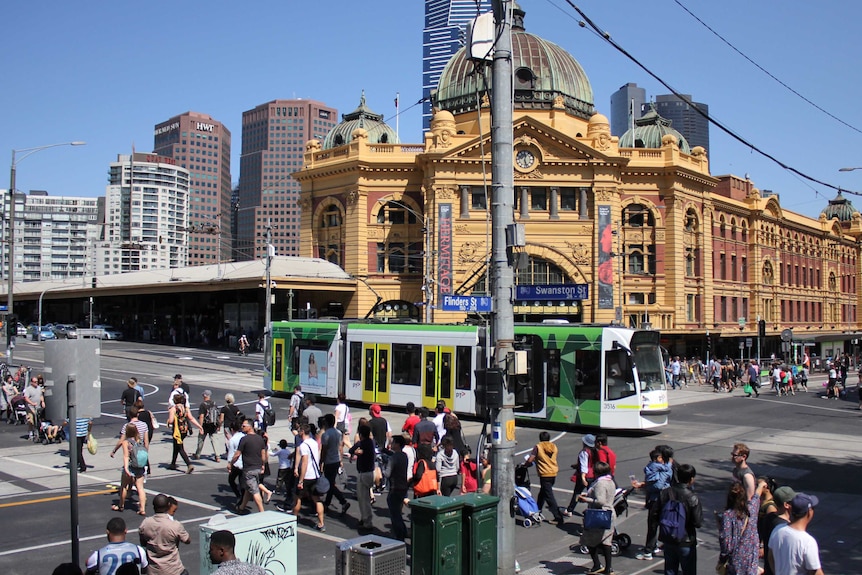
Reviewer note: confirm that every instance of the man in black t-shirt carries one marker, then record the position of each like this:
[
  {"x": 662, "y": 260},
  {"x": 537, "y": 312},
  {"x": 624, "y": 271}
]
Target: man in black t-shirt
[
  {"x": 252, "y": 449},
  {"x": 128, "y": 398},
  {"x": 209, "y": 422}
]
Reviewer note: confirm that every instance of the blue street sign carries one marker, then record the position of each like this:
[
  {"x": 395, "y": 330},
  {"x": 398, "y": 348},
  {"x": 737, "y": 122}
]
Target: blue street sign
[
  {"x": 466, "y": 303},
  {"x": 552, "y": 292},
  {"x": 4, "y": 308}
]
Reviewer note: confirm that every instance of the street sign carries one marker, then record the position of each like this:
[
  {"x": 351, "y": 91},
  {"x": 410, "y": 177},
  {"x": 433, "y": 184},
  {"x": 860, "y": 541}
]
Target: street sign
[
  {"x": 741, "y": 322},
  {"x": 748, "y": 342},
  {"x": 786, "y": 335},
  {"x": 552, "y": 292},
  {"x": 466, "y": 303}
]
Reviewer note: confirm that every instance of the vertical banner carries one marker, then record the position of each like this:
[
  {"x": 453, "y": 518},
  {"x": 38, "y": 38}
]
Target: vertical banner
[
  {"x": 606, "y": 261},
  {"x": 444, "y": 251}
]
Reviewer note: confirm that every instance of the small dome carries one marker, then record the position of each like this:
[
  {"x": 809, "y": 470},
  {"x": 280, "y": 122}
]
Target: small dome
[
  {"x": 545, "y": 77},
  {"x": 650, "y": 130},
  {"x": 840, "y": 208},
  {"x": 377, "y": 131}
]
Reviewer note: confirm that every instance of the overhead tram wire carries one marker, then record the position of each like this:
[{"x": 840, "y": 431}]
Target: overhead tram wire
[
  {"x": 607, "y": 37},
  {"x": 765, "y": 71}
]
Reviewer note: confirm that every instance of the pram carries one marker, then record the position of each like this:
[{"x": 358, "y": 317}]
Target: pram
[
  {"x": 620, "y": 541},
  {"x": 19, "y": 409},
  {"x": 523, "y": 504}
]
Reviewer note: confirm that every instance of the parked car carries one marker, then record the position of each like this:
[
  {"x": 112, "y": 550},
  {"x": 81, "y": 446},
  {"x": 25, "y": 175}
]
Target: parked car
[
  {"x": 22, "y": 329},
  {"x": 47, "y": 333},
  {"x": 66, "y": 331},
  {"x": 108, "y": 331}
]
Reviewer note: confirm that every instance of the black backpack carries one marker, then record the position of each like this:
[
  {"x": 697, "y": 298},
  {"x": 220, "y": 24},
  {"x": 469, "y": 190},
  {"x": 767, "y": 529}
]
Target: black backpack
[
  {"x": 268, "y": 414},
  {"x": 211, "y": 415}
]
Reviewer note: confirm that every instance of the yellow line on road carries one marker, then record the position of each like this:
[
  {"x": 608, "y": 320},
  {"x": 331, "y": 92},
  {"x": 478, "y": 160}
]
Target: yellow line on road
[{"x": 58, "y": 498}]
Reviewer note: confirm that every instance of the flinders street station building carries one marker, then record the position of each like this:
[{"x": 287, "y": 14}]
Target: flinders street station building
[{"x": 637, "y": 226}]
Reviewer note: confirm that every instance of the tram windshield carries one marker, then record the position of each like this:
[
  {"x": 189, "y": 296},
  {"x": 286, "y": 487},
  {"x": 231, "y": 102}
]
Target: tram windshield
[{"x": 647, "y": 357}]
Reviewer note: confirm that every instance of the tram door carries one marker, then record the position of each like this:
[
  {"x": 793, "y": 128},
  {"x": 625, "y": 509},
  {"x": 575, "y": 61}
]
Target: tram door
[
  {"x": 375, "y": 373},
  {"x": 439, "y": 376}
]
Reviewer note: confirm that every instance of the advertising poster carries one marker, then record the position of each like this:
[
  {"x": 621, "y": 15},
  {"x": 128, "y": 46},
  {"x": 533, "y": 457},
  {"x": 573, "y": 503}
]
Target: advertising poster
[
  {"x": 606, "y": 260},
  {"x": 312, "y": 370}
]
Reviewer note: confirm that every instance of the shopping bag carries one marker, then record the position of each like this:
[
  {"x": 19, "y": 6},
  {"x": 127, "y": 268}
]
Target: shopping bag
[
  {"x": 597, "y": 519},
  {"x": 92, "y": 444}
]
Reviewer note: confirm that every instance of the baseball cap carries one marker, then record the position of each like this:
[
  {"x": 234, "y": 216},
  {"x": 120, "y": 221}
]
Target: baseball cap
[
  {"x": 178, "y": 376},
  {"x": 589, "y": 440},
  {"x": 207, "y": 393},
  {"x": 802, "y": 503},
  {"x": 375, "y": 409},
  {"x": 783, "y": 495}
]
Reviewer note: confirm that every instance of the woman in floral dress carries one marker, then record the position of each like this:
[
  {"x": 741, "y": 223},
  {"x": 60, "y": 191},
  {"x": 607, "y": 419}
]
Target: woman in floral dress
[{"x": 737, "y": 531}]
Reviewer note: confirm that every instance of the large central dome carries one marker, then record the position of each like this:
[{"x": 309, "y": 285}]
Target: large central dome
[{"x": 545, "y": 76}]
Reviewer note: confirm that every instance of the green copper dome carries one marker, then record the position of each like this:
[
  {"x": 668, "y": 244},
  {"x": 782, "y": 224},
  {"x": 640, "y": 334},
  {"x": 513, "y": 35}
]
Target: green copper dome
[
  {"x": 649, "y": 131},
  {"x": 840, "y": 208},
  {"x": 378, "y": 131},
  {"x": 546, "y": 76}
]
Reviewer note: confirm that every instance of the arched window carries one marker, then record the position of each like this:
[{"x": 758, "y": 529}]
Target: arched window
[
  {"x": 636, "y": 262},
  {"x": 331, "y": 217},
  {"x": 638, "y": 215},
  {"x": 396, "y": 213}
]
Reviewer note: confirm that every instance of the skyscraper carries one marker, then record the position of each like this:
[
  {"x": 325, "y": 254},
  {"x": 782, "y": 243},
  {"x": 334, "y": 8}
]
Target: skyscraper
[
  {"x": 444, "y": 34},
  {"x": 201, "y": 144},
  {"x": 146, "y": 220},
  {"x": 688, "y": 121},
  {"x": 274, "y": 135},
  {"x": 622, "y": 107}
]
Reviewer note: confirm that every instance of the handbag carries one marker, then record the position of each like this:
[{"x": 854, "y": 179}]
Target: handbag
[
  {"x": 721, "y": 566},
  {"x": 92, "y": 444},
  {"x": 747, "y": 388},
  {"x": 598, "y": 519},
  {"x": 322, "y": 485}
]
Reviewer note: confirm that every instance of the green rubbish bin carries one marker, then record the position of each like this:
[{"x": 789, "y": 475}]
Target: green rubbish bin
[
  {"x": 480, "y": 526},
  {"x": 436, "y": 537}
]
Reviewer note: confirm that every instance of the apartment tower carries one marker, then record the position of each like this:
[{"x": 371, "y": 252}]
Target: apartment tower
[
  {"x": 202, "y": 145},
  {"x": 274, "y": 135}
]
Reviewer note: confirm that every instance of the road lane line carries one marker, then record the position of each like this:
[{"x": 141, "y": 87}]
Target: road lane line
[{"x": 57, "y": 498}]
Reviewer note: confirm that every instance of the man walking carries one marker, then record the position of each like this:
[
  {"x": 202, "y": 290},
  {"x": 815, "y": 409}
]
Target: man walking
[
  {"x": 252, "y": 449},
  {"x": 544, "y": 455},
  {"x": 307, "y": 473},
  {"x": 129, "y": 396},
  {"x": 35, "y": 400},
  {"x": 312, "y": 412},
  {"x": 330, "y": 454},
  {"x": 161, "y": 536},
  {"x": 297, "y": 405},
  {"x": 792, "y": 549},
  {"x": 680, "y": 555},
  {"x": 424, "y": 431},
  {"x": 222, "y": 545},
  {"x": 118, "y": 551},
  {"x": 396, "y": 472},
  {"x": 208, "y": 417},
  {"x": 363, "y": 450},
  {"x": 741, "y": 471}
]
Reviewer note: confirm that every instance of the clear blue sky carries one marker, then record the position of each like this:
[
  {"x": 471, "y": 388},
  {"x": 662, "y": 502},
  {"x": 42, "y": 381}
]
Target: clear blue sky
[{"x": 107, "y": 73}]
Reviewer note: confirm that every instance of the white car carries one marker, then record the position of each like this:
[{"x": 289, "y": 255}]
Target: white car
[{"x": 108, "y": 331}]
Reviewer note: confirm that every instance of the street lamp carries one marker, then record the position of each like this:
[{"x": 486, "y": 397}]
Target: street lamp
[
  {"x": 849, "y": 169},
  {"x": 427, "y": 279},
  {"x": 24, "y": 154}
]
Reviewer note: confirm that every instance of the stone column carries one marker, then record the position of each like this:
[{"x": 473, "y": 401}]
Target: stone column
[
  {"x": 555, "y": 201},
  {"x": 582, "y": 205},
  {"x": 465, "y": 202},
  {"x": 525, "y": 203}
]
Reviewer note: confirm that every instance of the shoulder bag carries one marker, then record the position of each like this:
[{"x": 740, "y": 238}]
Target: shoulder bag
[{"x": 322, "y": 486}]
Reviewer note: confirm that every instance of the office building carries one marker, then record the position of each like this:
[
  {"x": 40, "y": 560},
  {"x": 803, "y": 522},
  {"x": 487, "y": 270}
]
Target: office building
[
  {"x": 626, "y": 102},
  {"x": 686, "y": 119},
  {"x": 51, "y": 235},
  {"x": 273, "y": 142},
  {"x": 443, "y": 35},
  {"x": 202, "y": 145},
  {"x": 146, "y": 216}
]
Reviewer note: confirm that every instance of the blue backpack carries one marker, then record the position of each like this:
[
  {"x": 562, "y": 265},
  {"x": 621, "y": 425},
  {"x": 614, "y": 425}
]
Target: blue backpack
[
  {"x": 138, "y": 455},
  {"x": 671, "y": 526}
]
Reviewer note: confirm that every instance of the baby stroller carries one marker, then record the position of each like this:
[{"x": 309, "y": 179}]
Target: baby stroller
[
  {"x": 523, "y": 503},
  {"x": 620, "y": 541},
  {"x": 19, "y": 409}
]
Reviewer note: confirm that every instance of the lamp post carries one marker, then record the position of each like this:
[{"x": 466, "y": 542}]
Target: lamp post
[
  {"x": 849, "y": 169},
  {"x": 427, "y": 279},
  {"x": 10, "y": 295}
]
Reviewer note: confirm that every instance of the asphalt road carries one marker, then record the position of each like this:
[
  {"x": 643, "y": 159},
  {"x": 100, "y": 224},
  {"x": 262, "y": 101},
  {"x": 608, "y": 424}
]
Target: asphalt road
[{"x": 802, "y": 441}]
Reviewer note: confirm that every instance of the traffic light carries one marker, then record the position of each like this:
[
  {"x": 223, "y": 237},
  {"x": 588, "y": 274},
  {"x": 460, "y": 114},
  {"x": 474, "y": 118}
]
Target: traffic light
[
  {"x": 761, "y": 328},
  {"x": 708, "y": 344},
  {"x": 11, "y": 326}
]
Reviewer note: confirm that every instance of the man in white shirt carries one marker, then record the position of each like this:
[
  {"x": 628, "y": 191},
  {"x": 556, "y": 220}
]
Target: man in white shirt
[
  {"x": 259, "y": 408},
  {"x": 439, "y": 420},
  {"x": 177, "y": 390},
  {"x": 792, "y": 550},
  {"x": 307, "y": 474}
]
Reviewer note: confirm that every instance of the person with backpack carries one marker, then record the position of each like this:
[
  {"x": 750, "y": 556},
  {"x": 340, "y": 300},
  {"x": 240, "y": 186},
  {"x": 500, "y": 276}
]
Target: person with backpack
[
  {"x": 599, "y": 496},
  {"x": 135, "y": 459},
  {"x": 208, "y": 416},
  {"x": 680, "y": 515},
  {"x": 264, "y": 414},
  {"x": 297, "y": 405},
  {"x": 228, "y": 415},
  {"x": 179, "y": 421}
]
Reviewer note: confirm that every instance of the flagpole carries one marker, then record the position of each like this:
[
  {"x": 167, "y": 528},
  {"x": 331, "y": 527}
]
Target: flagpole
[{"x": 397, "y": 118}]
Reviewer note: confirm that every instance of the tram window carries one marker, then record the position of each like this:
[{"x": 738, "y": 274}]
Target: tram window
[
  {"x": 430, "y": 374},
  {"x": 355, "y": 360},
  {"x": 552, "y": 363},
  {"x": 463, "y": 365},
  {"x": 383, "y": 371},
  {"x": 587, "y": 374},
  {"x": 406, "y": 363},
  {"x": 530, "y": 388},
  {"x": 446, "y": 374},
  {"x": 619, "y": 380},
  {"x": 369, "y": 369}
]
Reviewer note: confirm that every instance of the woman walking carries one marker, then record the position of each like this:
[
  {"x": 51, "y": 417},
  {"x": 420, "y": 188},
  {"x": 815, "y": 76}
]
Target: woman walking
[
  {"x": 149, "y": 418},
  {"x": 600, "y": 495},
  {"x": 133, "y": 472},
  {"x": 737, "y": 531},
  {"x": 178, "y": 422}
]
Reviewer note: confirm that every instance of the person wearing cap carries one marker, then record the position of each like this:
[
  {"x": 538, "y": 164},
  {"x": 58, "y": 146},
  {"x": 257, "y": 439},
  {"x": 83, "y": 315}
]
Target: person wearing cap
[
  {"x": 791, "y": 548},
  {"x": 183, "y": 385},
  {"x": 583, "y": 476},
  {"x": 381, "y": 432},
  {"x": 781, "y": 497},
  {"x": 205, "y": 410},
  {"x": 176, "y": 390}
]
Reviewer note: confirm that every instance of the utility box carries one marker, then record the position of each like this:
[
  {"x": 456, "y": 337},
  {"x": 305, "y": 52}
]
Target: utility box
[
  {"x": 480, "y": 529},
  {"x": 265, "y": 539},
  {"x": 371, "y": 555},
  {"x": 437, "y": 531}
]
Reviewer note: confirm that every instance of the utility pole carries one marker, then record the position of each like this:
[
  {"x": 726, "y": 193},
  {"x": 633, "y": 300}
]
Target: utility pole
[
  {"x": 268, "y": 290},
  {"x": 502, "y": 321}
]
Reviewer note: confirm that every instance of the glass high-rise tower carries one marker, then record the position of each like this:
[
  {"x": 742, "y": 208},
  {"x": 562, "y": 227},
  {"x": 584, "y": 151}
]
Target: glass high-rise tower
[{"x": 444, "y": 34}]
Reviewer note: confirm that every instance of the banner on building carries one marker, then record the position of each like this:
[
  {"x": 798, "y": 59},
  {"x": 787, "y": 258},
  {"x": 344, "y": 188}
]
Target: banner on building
[
  {"x": 444, "y": 251},
  {"x": 605, "y": 271}
]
